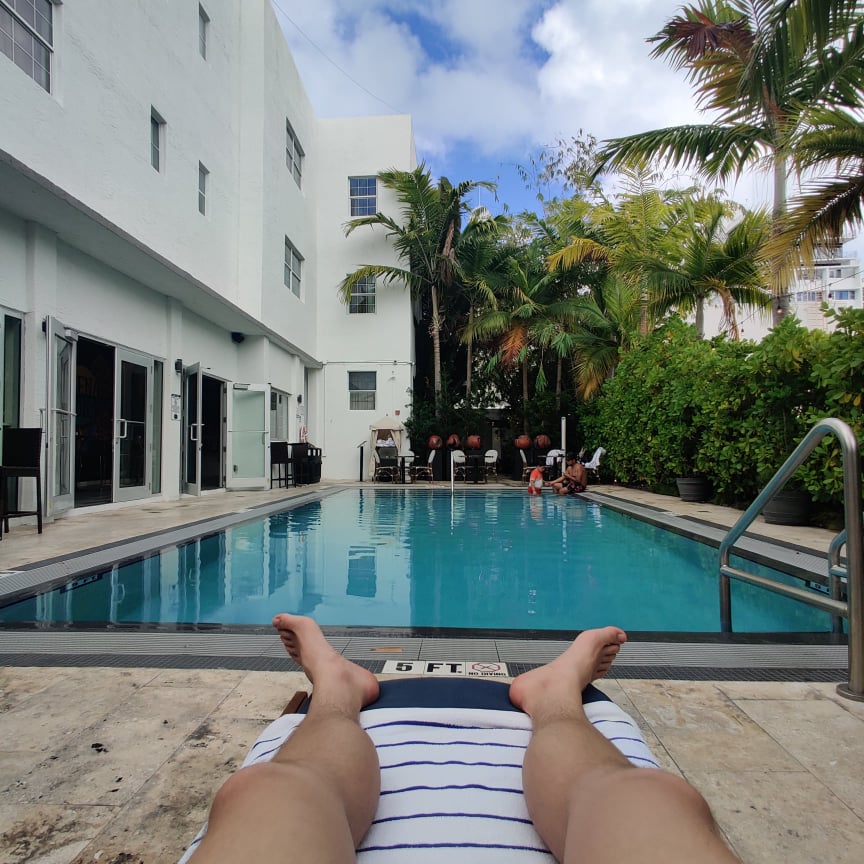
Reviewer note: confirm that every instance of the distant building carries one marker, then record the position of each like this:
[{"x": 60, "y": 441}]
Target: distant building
[
  {"x": 171, "y": 240},
  {"x": 833, "y": 279}
]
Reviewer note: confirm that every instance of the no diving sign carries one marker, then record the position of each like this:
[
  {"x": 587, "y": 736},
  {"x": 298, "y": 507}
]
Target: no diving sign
[{"x": 459, "y": 668}]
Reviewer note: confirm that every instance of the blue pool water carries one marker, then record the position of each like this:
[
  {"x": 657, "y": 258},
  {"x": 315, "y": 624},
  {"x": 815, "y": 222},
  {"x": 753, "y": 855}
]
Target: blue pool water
[{"x": 415, "y": 558}]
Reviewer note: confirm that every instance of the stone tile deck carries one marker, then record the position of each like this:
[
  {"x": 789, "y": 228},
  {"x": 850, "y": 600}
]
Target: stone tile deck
[{"x": 118, "y": 765}]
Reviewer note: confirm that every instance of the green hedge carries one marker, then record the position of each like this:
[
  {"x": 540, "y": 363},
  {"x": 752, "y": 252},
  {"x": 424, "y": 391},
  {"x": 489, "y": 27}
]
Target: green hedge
[{"x": 732, "y": 412}]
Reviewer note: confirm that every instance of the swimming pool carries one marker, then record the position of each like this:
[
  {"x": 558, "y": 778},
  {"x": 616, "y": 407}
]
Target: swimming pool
[{"x": 416, "y": 558}]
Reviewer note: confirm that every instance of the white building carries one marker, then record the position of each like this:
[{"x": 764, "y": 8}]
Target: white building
[
  {"x": 171, "y": 240},
  {"x": 833, "y": 279}
]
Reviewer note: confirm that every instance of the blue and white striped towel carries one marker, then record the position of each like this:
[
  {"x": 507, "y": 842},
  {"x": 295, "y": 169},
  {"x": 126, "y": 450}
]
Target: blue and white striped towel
[{"x": 451, "y": 779}]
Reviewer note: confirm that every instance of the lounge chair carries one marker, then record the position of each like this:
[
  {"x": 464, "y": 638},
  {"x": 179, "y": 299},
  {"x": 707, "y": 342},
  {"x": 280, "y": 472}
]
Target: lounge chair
[
  {"x": 593, "y": 465},
  {"x": 425, "y": 730}
]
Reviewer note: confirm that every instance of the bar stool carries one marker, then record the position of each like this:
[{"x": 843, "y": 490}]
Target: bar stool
[
  {"x": 22, "y": 456},
  {"x": 280, "y": 459}
]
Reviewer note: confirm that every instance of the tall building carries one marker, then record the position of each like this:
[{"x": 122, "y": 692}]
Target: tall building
[
  {"x": 171, "y": 241},
  {"x": 833, "y": 279}
]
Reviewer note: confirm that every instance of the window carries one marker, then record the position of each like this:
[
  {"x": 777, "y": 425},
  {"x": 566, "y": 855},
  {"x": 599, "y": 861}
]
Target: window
[
  {"x": 203, "y": 22},
  {"x": 361, "y": 391},
  {"x": 293, "y": 154},
  {"x": 203, "y": 173},
  {"x": 364, "y": 195},
  {"x": 157, "y": 139},
  {"x": 27, "y": 37},
  {"x": 293, "y": 267},
  {"x": 844, "y": 294},
  {"x": 363, "y": 296}
]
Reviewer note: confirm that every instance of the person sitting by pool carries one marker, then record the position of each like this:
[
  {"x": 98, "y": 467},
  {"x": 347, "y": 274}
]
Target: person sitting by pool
[
  {"x": 574, "y": 479},
  {"x": 316, "y": 799},
  {"x": 535, "y": 481}
]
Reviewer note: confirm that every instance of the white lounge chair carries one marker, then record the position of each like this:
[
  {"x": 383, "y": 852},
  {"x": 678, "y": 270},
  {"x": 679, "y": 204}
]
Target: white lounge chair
[{"x": 593, "y": 464}]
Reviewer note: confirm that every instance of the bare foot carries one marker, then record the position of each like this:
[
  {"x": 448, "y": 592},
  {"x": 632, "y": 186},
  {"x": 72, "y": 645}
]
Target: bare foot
[
  {"x": 557, "y": 687},
  {"x": 334, "y": 677}
]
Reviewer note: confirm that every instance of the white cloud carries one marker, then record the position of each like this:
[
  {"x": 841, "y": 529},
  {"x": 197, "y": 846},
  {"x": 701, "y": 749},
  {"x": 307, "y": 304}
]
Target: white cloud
[{"x": 502, "y": 78}]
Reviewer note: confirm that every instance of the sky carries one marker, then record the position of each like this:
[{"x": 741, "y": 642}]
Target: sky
[{"x": 490, "y": 83}]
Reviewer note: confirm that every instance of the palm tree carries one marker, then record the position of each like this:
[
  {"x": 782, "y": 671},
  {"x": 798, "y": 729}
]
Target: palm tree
[
  {"x": 483, "y": 264},
  {"x": 644, "y": 224},
  {"x": 761, "y": 65},
  {"x": 426, "y": 238},
  {"x": 830, "y": 206},
  {"x": 608, "y": 323},
  {"x": 520, "y": 317},
  {"x": 716, "y": 260}
]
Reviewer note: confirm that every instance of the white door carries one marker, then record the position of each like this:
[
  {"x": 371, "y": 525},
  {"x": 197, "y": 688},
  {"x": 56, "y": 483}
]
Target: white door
[
  {"x": 248, "y": 436},
  {"x": 192, "y": 430},
  {"x": 60, "y": 422},
  {"x": 133, "y": 420}
]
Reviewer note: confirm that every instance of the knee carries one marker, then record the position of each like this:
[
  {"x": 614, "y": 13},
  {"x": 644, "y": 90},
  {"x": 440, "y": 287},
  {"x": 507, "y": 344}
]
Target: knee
[
  {"x": 672, "y": 789},
  {"x": 246, "y": 784}
]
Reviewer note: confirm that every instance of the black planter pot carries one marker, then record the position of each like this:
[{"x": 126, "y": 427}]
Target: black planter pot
[
  {"x": 693, "y": 488},
  {"x": 787, "y": 507}
]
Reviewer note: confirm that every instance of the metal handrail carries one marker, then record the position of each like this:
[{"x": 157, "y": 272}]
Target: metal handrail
[{"x": 853, "y": 607}]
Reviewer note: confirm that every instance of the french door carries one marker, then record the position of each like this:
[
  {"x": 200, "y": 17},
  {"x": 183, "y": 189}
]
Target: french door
[
  {"x": 60, "y": 469},
  {"x": 248, "y": 436},
  {"x": 192, "y": 428},
  {"x": 133, "y": 422}
]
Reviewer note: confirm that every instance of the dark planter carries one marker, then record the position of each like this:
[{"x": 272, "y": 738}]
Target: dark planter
[
  {"x": 787, "y": 507},
  {"x": 693, "y": 488}
]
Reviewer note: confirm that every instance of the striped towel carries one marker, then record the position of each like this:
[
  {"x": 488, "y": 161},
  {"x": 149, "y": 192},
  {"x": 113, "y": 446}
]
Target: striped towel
[{"x": 451, "y": 779}]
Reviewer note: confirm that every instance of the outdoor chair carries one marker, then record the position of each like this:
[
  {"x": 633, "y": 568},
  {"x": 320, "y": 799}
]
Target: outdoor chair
[
  {"x": 554, "y": 461},
  {"x": 526, "y": 468},
  {"x": 490, "y": 463},
  {"x": 463, "y": 720},
  {"x": 424, "y": 472},
  {"x": 386, "y": 465},
  {"x": 22, "y": 455},
  {"x": 459, "y": 464},
  {"x": 593, "y": 465}
]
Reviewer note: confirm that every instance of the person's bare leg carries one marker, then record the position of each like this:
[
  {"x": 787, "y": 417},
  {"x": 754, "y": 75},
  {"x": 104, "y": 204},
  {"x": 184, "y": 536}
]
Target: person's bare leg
[
  {"x": 316, "y": 799},
  {"x": 587, "y": 801}
]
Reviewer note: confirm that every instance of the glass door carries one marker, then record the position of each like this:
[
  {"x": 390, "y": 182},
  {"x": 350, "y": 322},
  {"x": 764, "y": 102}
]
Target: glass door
[
  {"x": 60, "y": 470},
  {"x": 133, "y": 407},
  {"x": 192, "y": 430},
  {"x": 248, "y": 436}
]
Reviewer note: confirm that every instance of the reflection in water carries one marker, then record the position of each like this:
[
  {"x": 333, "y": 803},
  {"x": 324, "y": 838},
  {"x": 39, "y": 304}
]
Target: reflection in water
[{"x": 399, "y": 558}]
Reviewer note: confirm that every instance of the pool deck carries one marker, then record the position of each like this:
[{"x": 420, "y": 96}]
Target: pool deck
[{"x": 117, "y": 763}]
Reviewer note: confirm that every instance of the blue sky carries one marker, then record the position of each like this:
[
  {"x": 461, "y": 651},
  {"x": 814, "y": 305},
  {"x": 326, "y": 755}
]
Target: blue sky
[{"x": 490, "y": 82}]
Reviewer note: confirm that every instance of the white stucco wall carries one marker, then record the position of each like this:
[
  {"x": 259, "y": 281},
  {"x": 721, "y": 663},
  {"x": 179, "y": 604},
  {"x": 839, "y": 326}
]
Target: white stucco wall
[
  {"x": 176, "y": 283},
  {"x": 382, "y": 341}
]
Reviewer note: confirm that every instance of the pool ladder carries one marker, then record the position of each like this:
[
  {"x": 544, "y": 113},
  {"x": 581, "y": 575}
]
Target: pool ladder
[{"x": 852, "y": 608}]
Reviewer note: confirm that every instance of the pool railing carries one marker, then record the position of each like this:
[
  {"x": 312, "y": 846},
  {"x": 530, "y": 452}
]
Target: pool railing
[{"x": 853, "y": 607}]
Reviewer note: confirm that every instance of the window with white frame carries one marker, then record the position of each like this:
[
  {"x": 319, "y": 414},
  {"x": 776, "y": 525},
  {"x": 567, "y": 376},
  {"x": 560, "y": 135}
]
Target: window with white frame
[
  {"x": 157, "y": 139},
  {"x": 293, "y": 267},
  {"x": 361, "y": 391},
  {"x": 27, "y": 37},
  {"x": 363, "y": 192},
  {"x": 293, "y": 154},
  {"x": 203, "y": 174},
  {"x": 203, "y": 26},
  {"x": 362, "y": 296}
]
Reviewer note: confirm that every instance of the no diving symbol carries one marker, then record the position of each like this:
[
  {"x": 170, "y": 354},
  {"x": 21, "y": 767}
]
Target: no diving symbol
[{"x": 498, "y": 670}]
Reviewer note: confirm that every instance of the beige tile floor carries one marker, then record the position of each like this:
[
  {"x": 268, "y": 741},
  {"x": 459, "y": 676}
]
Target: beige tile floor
[{"x": 118, "y": 765}]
